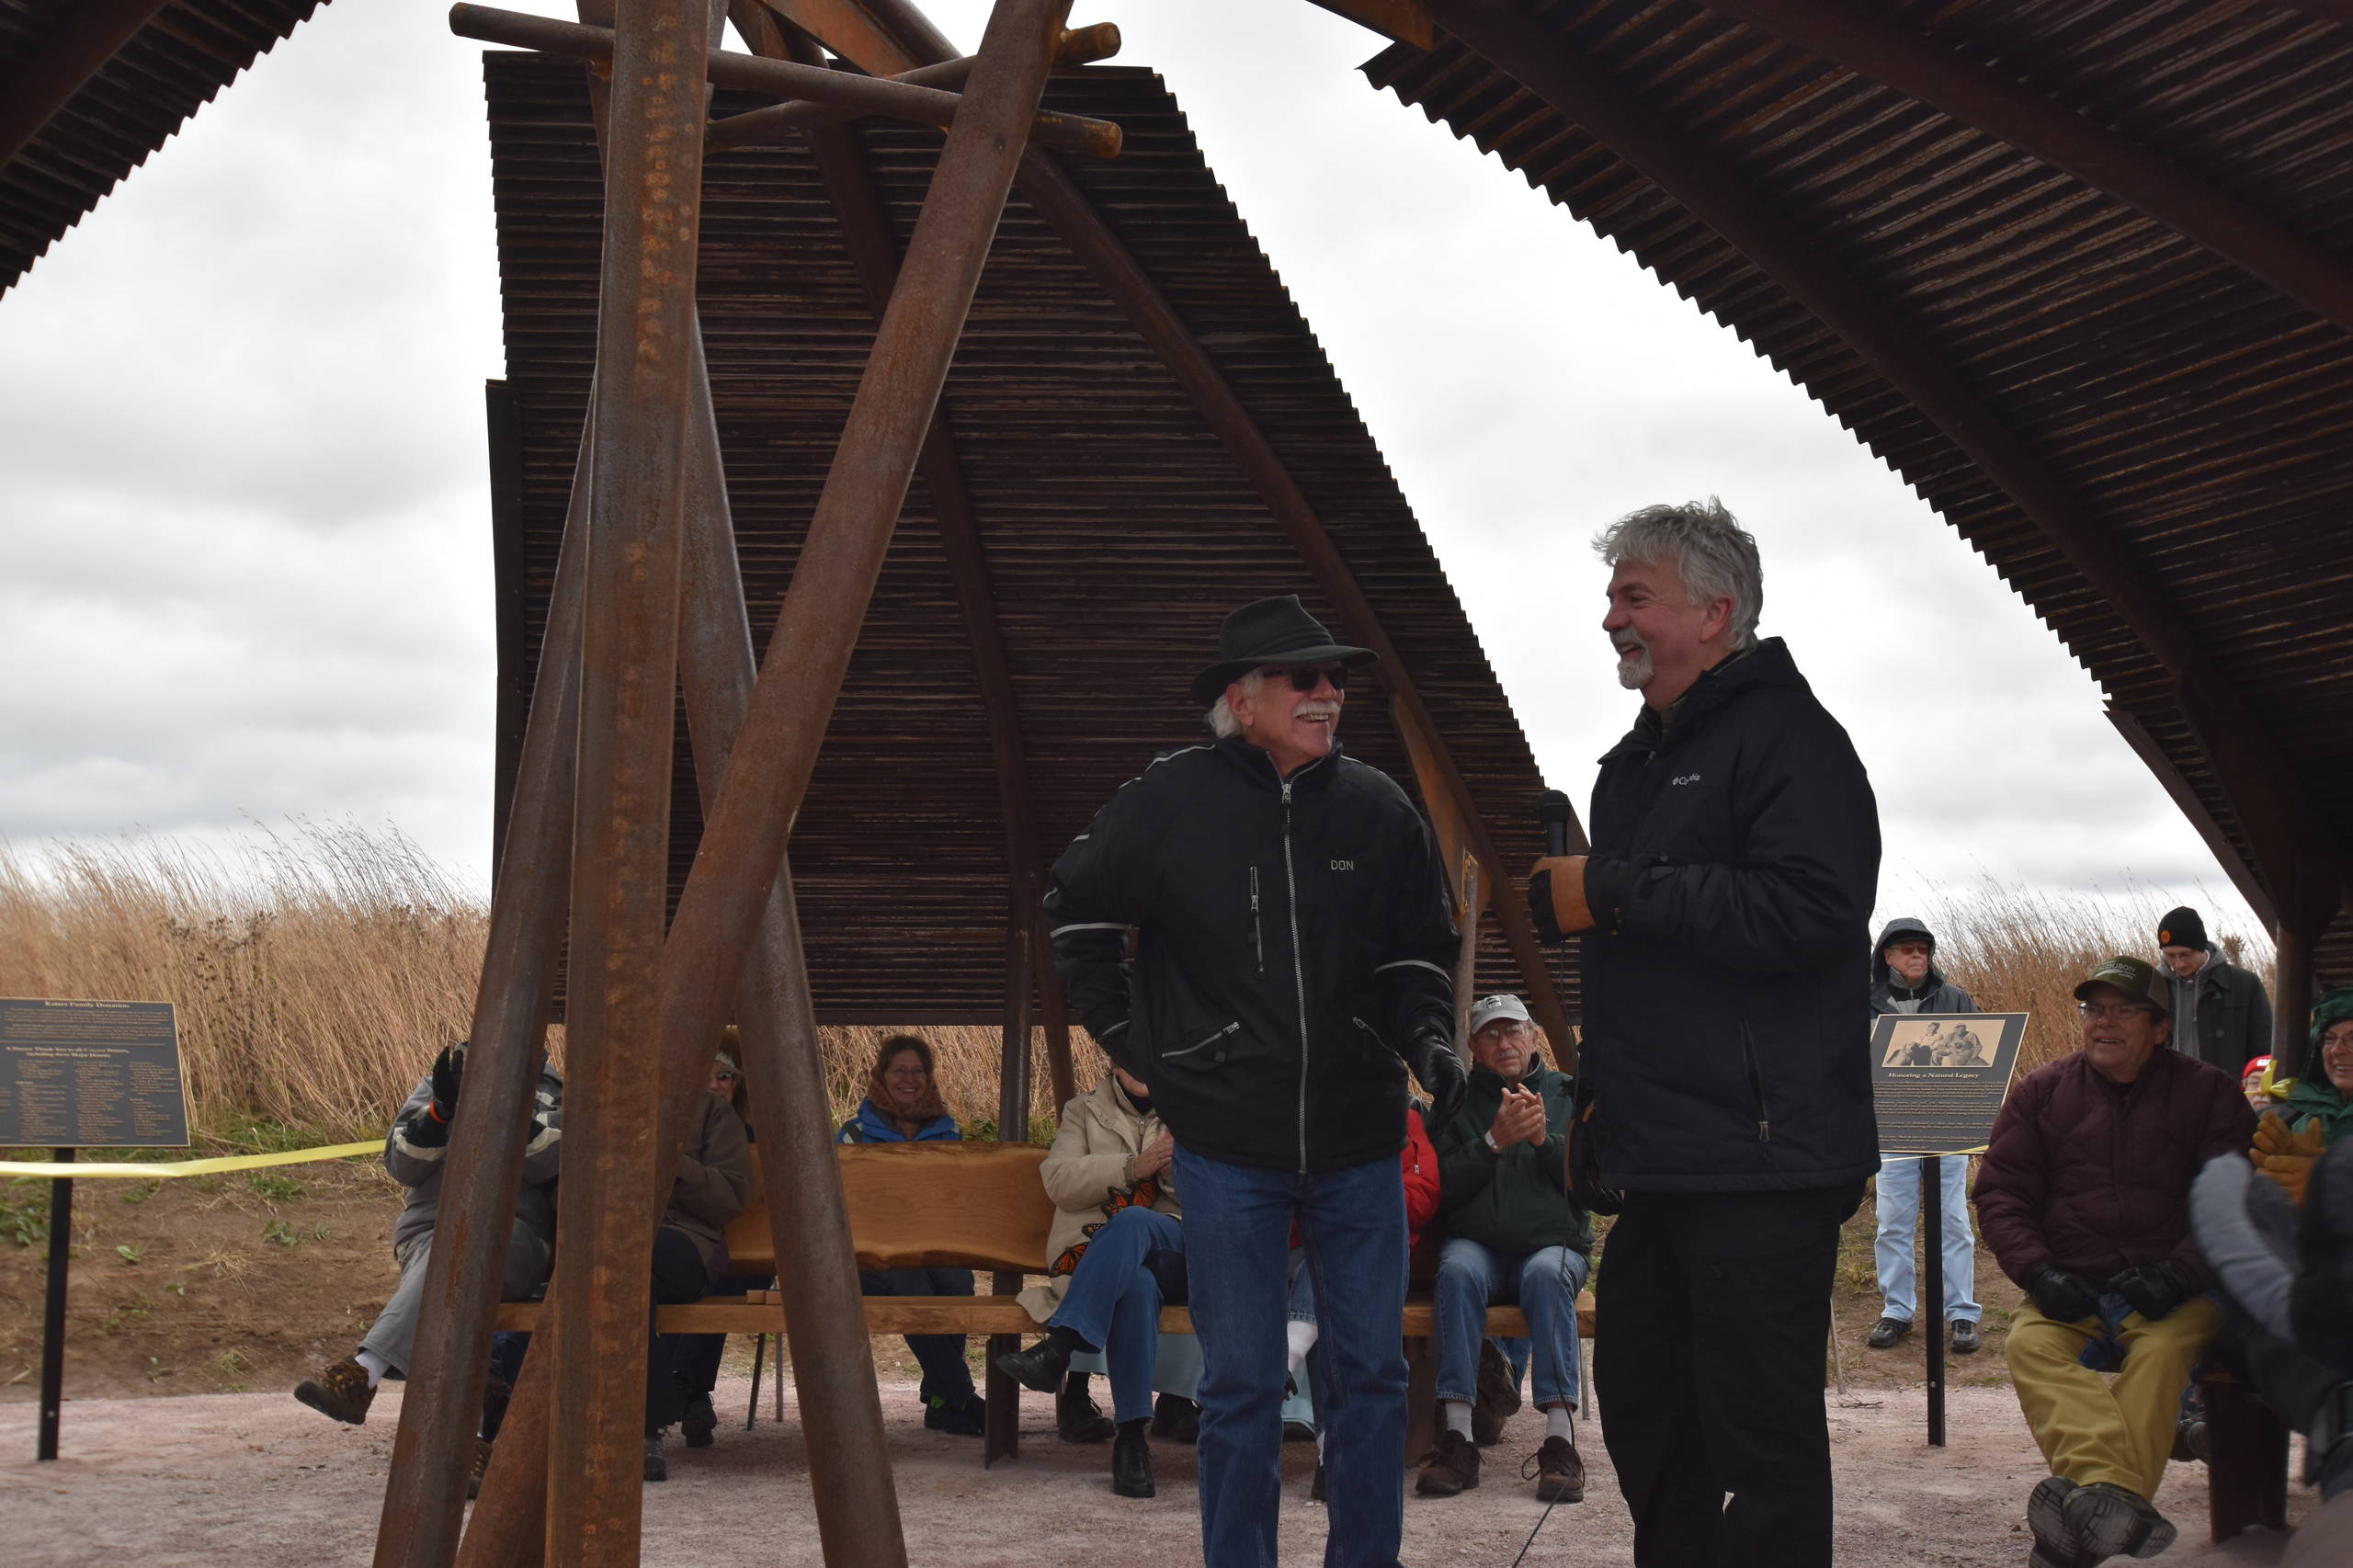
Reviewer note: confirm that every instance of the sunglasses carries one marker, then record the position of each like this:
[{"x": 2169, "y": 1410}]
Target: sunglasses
[{"x": 1307, "y": 677}]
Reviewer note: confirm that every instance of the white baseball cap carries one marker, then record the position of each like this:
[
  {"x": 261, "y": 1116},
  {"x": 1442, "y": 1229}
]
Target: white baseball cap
[{"x": 1487, "y": 1009}]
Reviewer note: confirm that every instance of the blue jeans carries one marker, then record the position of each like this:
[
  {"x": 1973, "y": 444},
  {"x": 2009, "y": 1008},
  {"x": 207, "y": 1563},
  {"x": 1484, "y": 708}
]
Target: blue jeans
[
  {"x": 1899, "y": 1221},
  {"x": 1239, "y": 1218},
  {"x": 1131, "y": 1266},
  {"x": 941, "y": 1356},
  {"x": 1472, "y": 1276}
]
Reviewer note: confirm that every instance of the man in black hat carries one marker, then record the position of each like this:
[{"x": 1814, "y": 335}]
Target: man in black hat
[
  {"x": 1295, "y": 955},
  {"x": 2221, "y": 1015}
]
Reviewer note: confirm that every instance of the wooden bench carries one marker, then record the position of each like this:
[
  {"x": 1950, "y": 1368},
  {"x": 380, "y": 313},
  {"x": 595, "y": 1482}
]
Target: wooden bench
[{"x": 976, "y": 1206}]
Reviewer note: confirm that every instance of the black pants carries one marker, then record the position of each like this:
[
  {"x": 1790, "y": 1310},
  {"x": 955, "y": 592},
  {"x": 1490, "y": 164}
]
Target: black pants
[
  {"x": 679, "y": 1277},
  {"x": 1713, "y": 1318}
]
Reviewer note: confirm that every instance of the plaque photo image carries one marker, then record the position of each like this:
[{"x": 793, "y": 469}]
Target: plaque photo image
[{"x": 1939, "y": 1079}]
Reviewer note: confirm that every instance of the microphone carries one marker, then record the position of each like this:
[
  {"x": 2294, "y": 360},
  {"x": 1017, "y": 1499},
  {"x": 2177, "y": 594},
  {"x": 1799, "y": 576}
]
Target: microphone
[{"x": 1552, "y": 811}]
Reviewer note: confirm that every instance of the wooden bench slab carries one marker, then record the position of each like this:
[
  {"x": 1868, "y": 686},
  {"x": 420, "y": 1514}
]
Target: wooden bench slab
[{"x": 977, "y": 1316}]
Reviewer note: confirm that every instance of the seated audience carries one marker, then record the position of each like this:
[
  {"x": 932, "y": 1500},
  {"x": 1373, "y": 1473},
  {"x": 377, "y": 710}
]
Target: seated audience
[
  {"x": 2321, "y": 1100},
  {"x": 414, "y": 1154},
  {"x": 2084, "y": 1199},
  {"x": 2256, "y": 1084},
  {"x": 1115, "y": 1255},
  {"x": 694, "y": 1357},
  {"x": 903, "y": 1106},
  {"x": 713, "y": 1183},
  {"x": 1511, "y": 1237}
]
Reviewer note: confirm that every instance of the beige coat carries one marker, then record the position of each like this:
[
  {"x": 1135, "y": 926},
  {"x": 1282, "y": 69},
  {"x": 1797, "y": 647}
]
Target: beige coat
[{"x": 1086, "y": 1174}]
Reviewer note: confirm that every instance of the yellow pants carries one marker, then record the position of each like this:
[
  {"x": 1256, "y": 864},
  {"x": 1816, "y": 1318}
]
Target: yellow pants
[{"x": 2089, "y": 1430}]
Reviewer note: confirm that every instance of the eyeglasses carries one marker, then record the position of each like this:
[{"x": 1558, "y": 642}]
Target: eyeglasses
[
  {"x": 2118, "y": 1010},
  {"x": 1306, "y": 678},
  {"x": 723, "y": 1076}
]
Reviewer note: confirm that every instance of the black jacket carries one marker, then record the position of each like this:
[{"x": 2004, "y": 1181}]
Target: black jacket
[
  {"x": 1515, "y": 1201},
  {"x": 1735, "y": 859},
  {"x": 1296, "y": 951},
  {"x": 2234, "y": 1014}
]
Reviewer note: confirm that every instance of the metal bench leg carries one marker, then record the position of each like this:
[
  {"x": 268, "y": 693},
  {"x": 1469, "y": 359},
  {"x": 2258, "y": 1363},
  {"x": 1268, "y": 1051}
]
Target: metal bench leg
[
  {"x": 759, "y": 1355},
  {"x": 2247, "y": 1481}
]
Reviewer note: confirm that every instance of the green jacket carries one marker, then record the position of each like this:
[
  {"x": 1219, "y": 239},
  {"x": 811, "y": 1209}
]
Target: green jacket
[
  {"x": 1516, "y": 1201},
  {"x": 2314, "y": 1097}
]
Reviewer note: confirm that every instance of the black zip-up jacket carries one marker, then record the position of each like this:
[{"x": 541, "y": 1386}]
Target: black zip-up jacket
[
  {"x": 1295, "y": 951},
  {"x": 1735, "y": 859}
]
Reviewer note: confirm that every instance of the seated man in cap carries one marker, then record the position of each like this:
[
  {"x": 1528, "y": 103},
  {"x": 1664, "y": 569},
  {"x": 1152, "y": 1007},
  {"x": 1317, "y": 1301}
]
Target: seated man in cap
[
  {"x": 2083, "y": 1198},
  {"x": 1511, "y": 1235}
]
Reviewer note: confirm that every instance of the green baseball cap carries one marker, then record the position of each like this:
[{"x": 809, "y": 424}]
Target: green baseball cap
[{"x": 2136, "y": 978}]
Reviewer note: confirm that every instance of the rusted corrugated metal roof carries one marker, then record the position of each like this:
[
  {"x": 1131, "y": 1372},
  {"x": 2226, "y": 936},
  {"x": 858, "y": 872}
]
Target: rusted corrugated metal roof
[
  {"x": 127, "y": 108},
  {"x": 1118, "y": 529},
  {"x": 2202, "y": 419}
]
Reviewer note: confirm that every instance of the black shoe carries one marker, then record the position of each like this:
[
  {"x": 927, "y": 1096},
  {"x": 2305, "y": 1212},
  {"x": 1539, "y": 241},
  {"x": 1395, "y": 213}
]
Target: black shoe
[
  {"x": 1887, "y": 1331},
  {"x": 1041, "y": 1367},
  {"x": 1132, "y": 1462},
  {"x": 1297, "y": 1432},
  {"x": 966, "y": 1415},
  {"x": 2046, "y": 1510},
  {"x": 1177, "y": 1418},
  {"x": 2108, "y": 1521},
  {"x": 1315, "y": 1487},
  {"x": 1077, "y": 1418},
  {"x": 1965, "y": 1341},
  {"x": 699, "y": 1421},
  {"x": 657, "y": 1467}
]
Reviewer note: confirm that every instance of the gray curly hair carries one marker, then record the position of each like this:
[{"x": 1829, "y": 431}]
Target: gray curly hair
[
  {"x": 1713, "y": 554},
  {"x": 1220, "y": 719}
]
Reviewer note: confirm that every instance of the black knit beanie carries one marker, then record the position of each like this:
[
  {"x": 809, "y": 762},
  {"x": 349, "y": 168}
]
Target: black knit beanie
[{"x": 2182, "y": 929}]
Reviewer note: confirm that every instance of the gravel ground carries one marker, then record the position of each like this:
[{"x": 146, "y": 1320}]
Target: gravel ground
[{"x": 259, "y": 1481}]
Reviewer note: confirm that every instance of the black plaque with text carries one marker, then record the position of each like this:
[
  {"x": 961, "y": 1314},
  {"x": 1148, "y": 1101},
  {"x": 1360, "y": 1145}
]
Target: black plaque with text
[
  {"x": 90, "y": 1074},
  {"x": 1938, "y": 1079}
]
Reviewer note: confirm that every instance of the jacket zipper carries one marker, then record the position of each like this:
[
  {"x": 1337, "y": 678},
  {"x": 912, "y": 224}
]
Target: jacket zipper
[
  {"x": 1297, "y": 975},
  {"x": 1257, "y": 937},
  {"x": 1200, "y": 1044},
  {"x": 1757, "y": 1087}
]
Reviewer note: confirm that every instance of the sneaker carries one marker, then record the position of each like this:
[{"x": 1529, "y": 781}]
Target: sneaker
[
  {"x": 1454, "y": 1470},
  {"x": 1077, "y": 1418},
  {"x": 340, "y": 1391},
  {"x": 481, "y": 1468},
  {"x": 1965, "y": 1338},
  {"x": 657, "y": 1467},
  {"x": 1887, "y": 1333},
  {"x": 2108, "y": 1521},
  {"x": 1558, "y": 1472},
  {"x": 699, "y": 1423},
  {"x": 2046, "y": 1510},
  {"x": 964, "y": 1417},
  {"x": 1177, "y": 1418},
  {"x": 1496, "y": 1398}
]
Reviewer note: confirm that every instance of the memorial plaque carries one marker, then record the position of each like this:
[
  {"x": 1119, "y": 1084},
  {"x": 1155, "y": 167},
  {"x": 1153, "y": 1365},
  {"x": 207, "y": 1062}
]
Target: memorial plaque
[
  {"x": 91, "y": 1075},
  {"x": 1938, "y": 1079}
]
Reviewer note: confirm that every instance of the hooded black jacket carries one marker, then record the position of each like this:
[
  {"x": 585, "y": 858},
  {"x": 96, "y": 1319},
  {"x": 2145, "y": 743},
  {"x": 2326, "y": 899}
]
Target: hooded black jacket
[
  {"x": 1935, "y": 993},
  {"x": 1296, "y": 951},
  {"x": 1735, "y": 861}
]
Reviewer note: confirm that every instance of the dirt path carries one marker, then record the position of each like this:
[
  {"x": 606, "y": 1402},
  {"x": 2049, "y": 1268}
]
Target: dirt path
[{"x": 256, "y": 1480}]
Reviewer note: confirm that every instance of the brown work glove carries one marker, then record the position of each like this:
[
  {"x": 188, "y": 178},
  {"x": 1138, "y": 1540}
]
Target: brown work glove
[
  {"x": 2286, "y": 1157},
  {"x": 1556, "y": 897}
]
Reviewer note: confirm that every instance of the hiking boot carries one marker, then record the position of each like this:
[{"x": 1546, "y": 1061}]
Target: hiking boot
[
  {"x": 699, "y": 1423},
  {"x": 1496, "y": 1398},
  {"x": 1559, "y": 1475},
  {"x": 481, "y": 1468},
  {"x": 1132, "y": 1462},
  {"x": 1965, "y": 1338},
  {"x": 1454, "y": 1468},
  {"x": 966, "y": 1415},
  {"x": 1077, "y": 1418},
  {"x": 340, "y": 1389},
  {"x": 1887, "y": 1333},
  {"x": 657, "y": 1467},
  {"x": 2108, "y": 1521},
  {"x": 1041, "y": 1368},
  {"x": 2046, "y": 1509},
  {"x": 1177, "y": 1418}
]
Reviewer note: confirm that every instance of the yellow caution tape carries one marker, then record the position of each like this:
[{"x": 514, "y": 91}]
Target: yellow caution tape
[{"x": 141, "y": 1170}]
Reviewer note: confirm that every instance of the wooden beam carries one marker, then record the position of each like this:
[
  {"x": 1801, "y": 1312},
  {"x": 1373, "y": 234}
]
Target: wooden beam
[
  {"x": 1055, "y": 197},
  {"x": 2278, "y": 816},
  {"x": 1865, "y": 40},
  {"x": 93, "y": 34}
]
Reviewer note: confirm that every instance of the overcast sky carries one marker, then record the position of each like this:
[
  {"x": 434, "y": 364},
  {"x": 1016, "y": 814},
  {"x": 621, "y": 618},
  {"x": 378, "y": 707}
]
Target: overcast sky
[{"x": 244, "y": 565}]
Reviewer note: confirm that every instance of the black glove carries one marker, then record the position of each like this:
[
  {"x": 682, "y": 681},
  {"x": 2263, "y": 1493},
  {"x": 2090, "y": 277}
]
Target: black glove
[
  {"x": 1440, "y": 1071},
  {"x": 2153, "y": 1288},
  {"x": 1539, "y": 908},
  {"x": 2062, "y": 1293},
  {"x": 448, "y": 1070}
]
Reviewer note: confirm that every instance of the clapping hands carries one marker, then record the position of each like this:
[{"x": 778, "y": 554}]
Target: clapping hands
[{"x": 1518, "y": 1119}]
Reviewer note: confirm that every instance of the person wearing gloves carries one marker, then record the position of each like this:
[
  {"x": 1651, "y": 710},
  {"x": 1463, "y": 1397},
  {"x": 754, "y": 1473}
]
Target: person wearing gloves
[
  {"x": 1512, "y": 1234},
  {"x": 1904, "y": 979},
  {"x": 713, "y": 1183},
  {"x": 1294, "y": 957},
  {"x": 1726, "y": 1091},
  {"x": 2322, "y": 1101},
  {"x": 2084, "y": 1195},
  {"x": 2220, "y": 1013},
  {"x": 415, "y": 1150},
  {"x": 1116, "y": 1254}
]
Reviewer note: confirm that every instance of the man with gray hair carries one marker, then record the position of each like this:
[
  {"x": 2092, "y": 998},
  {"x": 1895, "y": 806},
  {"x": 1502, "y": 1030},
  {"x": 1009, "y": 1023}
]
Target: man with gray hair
[{"x": 1726, "y": 1066}]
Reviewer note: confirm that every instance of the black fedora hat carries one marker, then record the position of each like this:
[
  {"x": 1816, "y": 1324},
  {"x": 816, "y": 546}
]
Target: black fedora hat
[{"x": 1270, "y": 632}]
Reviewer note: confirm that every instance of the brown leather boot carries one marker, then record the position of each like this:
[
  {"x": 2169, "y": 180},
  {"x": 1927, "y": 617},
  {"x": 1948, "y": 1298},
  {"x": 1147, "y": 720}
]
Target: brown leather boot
[
  {"x": 340, "y": 1389},
  {"x": 1454, "y": 1470},
  {"x": 1560, "y": 1473}
]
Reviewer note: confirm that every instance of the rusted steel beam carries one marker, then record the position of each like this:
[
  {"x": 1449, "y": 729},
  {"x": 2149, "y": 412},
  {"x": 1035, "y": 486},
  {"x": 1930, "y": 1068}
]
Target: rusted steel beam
[
  {"x": 91, "y": 35},
  {"x": 780, "y": 122},
  {"x": 844, "y": 90},
  {"x": 2193, "y": 808},
  {"x": 425, "y": 1494},
  {"x": 1865, "y": 40},
  {"x": 620, "y": 856},
  {"x": 1407, "y": 21},
  {"x": 891, "y": 34},
  {"x": 2277, "y": 813}
]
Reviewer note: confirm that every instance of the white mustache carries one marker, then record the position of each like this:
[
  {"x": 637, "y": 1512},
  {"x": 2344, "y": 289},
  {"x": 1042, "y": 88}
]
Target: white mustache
[{"x": 1318, "y": 710}]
